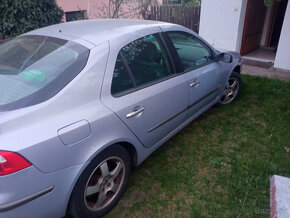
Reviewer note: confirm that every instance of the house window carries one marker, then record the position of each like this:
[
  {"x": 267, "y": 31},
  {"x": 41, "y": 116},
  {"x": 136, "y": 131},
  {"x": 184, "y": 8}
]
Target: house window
[{"x": 75, "y": 15}]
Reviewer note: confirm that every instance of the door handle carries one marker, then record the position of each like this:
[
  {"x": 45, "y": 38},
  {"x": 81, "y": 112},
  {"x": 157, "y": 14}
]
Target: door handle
[
  {"x": 134, "y": 113},
  {"x": 194, "y": 84}
]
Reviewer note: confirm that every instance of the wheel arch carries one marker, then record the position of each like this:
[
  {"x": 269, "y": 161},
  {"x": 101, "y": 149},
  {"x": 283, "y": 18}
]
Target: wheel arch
[
  {"x": 129, "y": 147},
  {"x": 131, "y": 150},
  {"x": 237, "y": 69}
]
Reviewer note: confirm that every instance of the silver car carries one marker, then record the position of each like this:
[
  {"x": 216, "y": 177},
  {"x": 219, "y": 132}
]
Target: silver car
[{"x": 81, "y": 103}]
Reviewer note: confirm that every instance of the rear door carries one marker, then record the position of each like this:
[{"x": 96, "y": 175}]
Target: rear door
[
  {"x": 144, "y": 91},
  {"x": 203, "y": 74}
]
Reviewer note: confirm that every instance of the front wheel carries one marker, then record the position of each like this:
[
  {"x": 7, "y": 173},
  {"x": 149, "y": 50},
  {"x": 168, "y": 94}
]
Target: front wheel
[
  {"x": 101, "y": 184},
  {"x": 232, "y": 89}
]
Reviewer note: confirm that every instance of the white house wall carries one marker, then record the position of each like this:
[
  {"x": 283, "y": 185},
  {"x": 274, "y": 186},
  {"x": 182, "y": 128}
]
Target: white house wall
[
  {"x": 282, "y": 60},
  {"x": 221, "y": 23}
]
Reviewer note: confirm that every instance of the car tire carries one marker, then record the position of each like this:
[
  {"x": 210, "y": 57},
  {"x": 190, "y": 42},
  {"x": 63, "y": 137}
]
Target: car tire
[
  {"x": 232, "y": 89},
  {"x": 101, "y": 185}
]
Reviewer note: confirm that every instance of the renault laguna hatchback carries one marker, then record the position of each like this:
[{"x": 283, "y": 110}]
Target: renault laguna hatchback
[{"x": 81, "y": 103}]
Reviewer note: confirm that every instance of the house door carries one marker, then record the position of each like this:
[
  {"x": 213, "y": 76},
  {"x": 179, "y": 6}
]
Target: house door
[
  {"x": 253, "y": 26},
  {"x": 276, "y": 22}
]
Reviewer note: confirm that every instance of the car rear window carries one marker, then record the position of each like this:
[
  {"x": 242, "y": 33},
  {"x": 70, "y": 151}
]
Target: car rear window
[{"x": 34, "y": 68}]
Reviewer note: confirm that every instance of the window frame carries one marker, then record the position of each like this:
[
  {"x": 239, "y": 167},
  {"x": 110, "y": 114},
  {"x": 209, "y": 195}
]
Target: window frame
[
  {"x": 178, "y": 60},
  {"x": 69, "y": 13},
  {"x": 136, "y": 88}
]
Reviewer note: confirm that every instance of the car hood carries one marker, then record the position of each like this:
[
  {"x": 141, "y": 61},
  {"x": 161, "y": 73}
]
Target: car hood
[{"x": 236, "y": 55}]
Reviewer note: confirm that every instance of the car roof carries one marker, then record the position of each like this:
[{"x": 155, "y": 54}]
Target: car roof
[{"x": 99, "y": 30}]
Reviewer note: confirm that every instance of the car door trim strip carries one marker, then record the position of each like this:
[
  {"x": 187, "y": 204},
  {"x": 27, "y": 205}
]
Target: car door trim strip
[
  {"x": 165, "y": 121},
  {"x": 183, "y": 110}
]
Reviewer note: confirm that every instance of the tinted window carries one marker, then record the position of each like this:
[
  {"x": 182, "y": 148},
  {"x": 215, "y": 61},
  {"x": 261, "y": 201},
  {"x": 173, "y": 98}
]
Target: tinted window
[
  {"x": 191, "y": 51},
  {"x": 121, "y": 78},
  {"x": 34, "y": 68},
  {"x": 147, "y": 60}
]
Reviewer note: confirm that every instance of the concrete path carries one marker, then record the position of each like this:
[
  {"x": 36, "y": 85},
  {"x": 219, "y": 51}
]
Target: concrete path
[
  {"x": 270, "y": 73},
  {"x": 280, "y": 197}
]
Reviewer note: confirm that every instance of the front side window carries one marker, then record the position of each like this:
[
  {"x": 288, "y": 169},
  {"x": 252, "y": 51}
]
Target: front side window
[
  {"x": 191, "y": 51},
  {"x": 34, "y": 68},
  {"x": 147, "y": 62}
]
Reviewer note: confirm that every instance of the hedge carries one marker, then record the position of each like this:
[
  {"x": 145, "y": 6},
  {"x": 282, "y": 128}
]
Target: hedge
[{"x": 20, "y": 16}]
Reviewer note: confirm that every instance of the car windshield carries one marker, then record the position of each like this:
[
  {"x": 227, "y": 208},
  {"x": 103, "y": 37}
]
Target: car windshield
[{"x": 30, "y": 65}]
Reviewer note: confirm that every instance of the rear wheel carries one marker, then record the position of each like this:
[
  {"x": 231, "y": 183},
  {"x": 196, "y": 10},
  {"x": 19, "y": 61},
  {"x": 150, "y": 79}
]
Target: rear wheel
[
  {"x": 102, "y": 183},
  {"x": 232, "y": 89}
]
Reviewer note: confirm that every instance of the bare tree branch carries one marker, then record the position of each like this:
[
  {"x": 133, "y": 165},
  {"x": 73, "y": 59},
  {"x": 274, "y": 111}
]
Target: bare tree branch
[{"x": 125, "y": 8}]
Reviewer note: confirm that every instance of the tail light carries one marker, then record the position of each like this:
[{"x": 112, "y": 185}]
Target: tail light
[{"x": 11, "y": 162}]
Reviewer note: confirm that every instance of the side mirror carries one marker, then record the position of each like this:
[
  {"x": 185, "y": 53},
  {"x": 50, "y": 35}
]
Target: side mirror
[{"x": 224, "y": 57}]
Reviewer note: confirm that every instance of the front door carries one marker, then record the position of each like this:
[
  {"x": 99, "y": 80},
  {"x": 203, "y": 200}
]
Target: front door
[
  {"x": 146, "y": 93},
  {"x": 204, "y": 79},
  {"x": 204, "y": 86}
]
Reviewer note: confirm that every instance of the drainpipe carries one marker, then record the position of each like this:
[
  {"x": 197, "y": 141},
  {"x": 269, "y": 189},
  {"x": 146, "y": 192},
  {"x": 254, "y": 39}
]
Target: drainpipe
[{"x": 89, "y": 11}]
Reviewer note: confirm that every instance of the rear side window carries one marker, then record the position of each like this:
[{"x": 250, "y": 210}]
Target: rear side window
[
  {"x": 145, "y": 61},
  {"x": 121, "y": 78},
  {"x": 191, "y": 51},
  {"x": 34, "y": 68}
]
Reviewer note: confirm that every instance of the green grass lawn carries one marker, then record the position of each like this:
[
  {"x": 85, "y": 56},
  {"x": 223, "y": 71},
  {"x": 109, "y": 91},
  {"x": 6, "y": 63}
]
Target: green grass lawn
[{"x": 220, "y": 164}]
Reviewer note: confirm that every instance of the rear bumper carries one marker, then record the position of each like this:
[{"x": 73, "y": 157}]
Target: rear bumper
[
  {"x": 20, "y": 202},
  {"x": 32, "y": 194}
]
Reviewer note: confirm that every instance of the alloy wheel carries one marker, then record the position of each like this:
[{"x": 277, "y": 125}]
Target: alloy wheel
[
  {"x": 231, "y": 91},
  {"x": 104, "y": 183}
]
